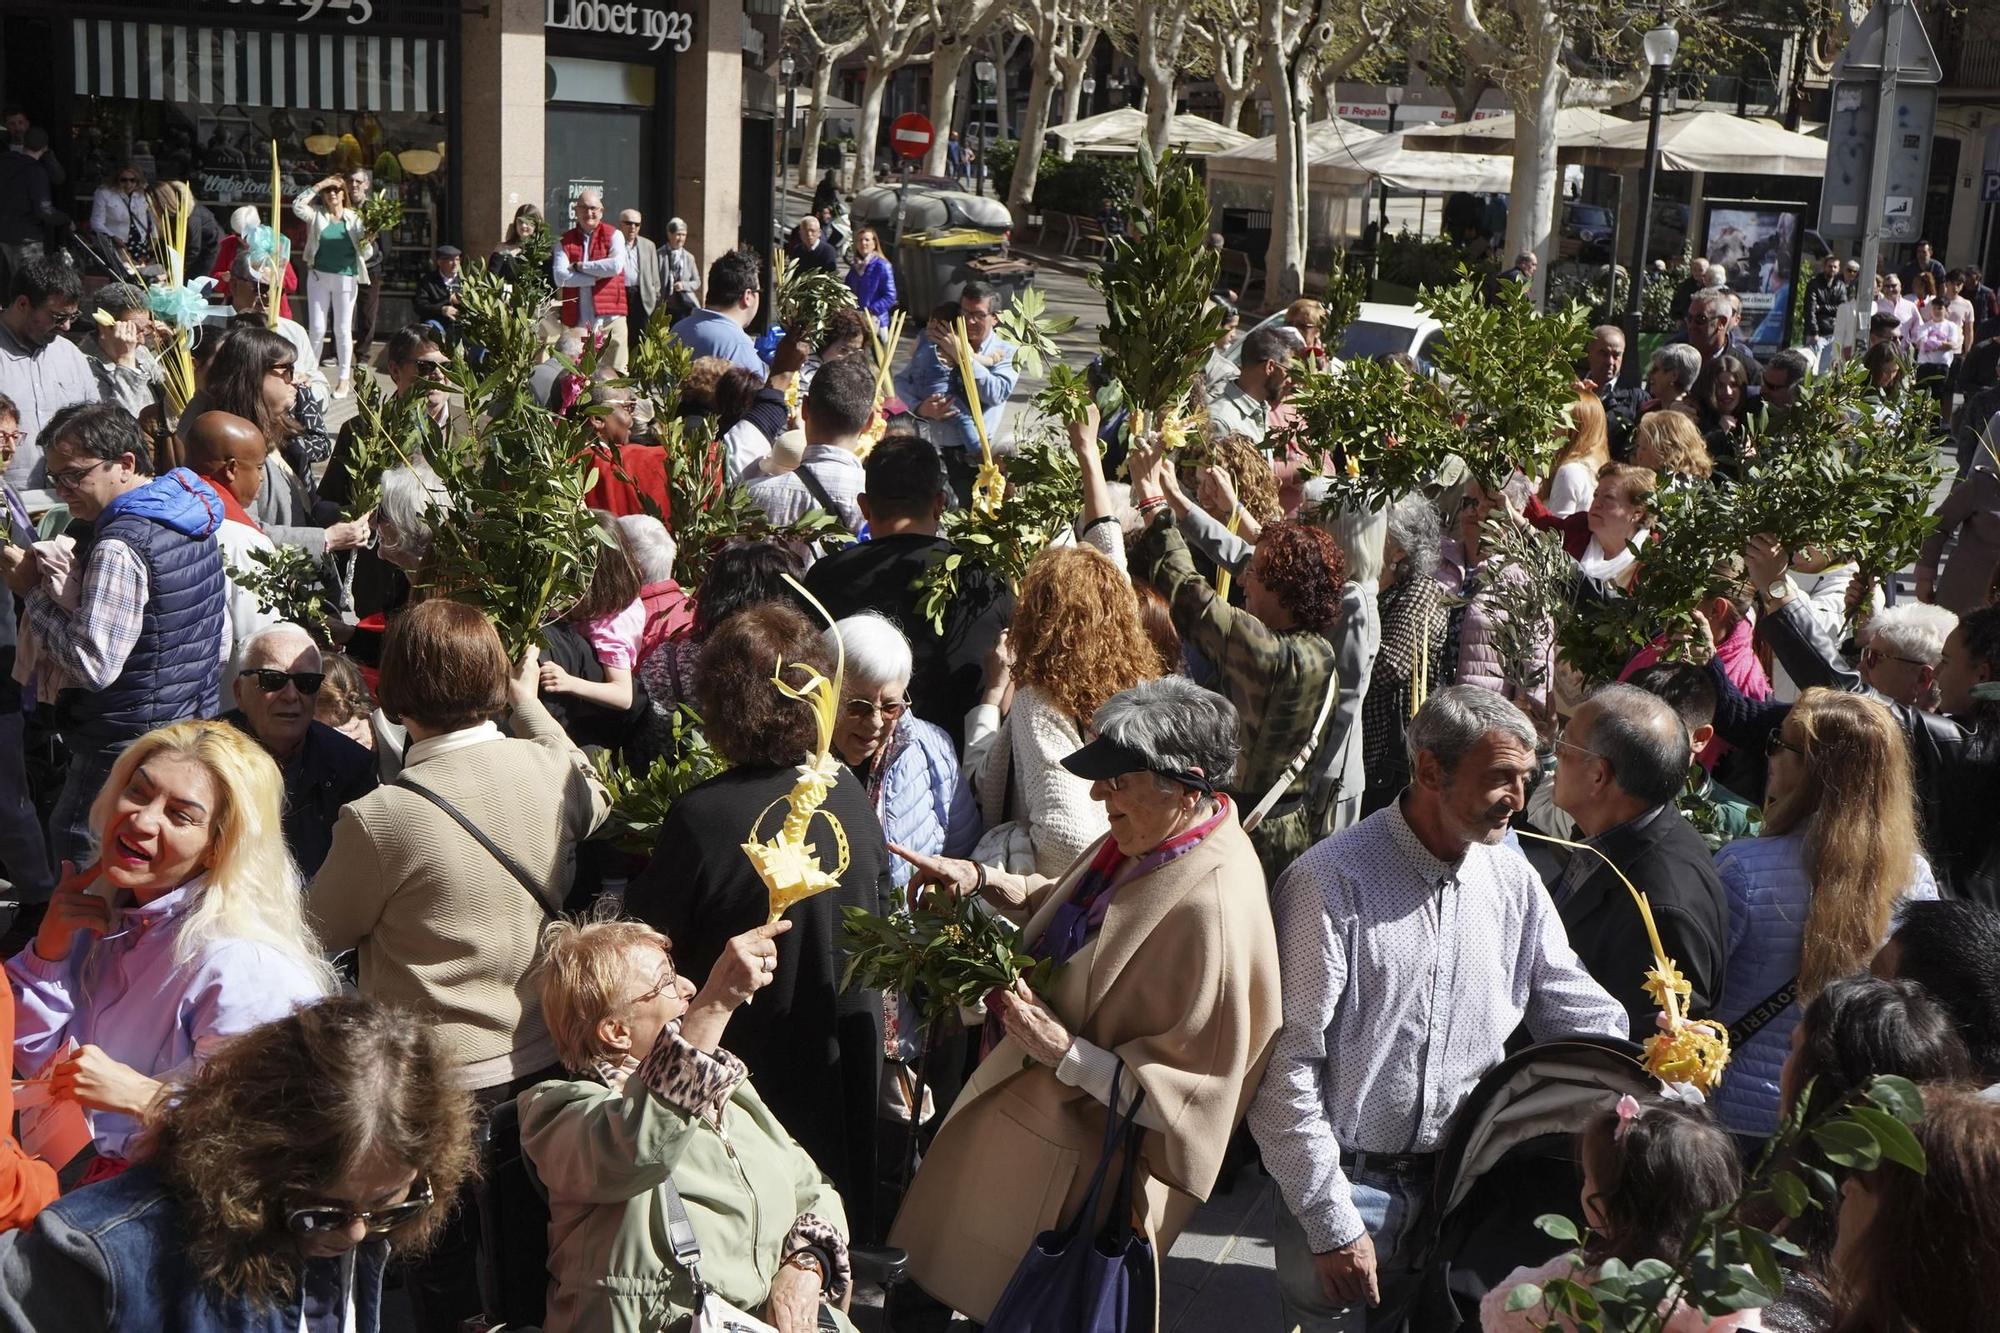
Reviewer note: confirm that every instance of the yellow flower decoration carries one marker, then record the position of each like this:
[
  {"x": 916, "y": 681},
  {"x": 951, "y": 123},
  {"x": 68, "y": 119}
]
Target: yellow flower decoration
[
  {"x": 989, "y": 490},
  {"x": 1173, "y": 431},
  {"x": 1689, "y": 1051},
  {"x": 787, "y": 863}
]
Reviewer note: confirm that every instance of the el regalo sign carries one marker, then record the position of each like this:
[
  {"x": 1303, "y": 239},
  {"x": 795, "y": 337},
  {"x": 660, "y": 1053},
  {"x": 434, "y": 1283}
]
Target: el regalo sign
[{"x": 655, "y": 27}]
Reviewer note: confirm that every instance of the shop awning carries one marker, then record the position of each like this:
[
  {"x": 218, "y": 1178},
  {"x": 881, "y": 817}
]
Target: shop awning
[
  {"x": 1576, "y": 126},
  {"x": 1340, "y": 153},
  {"x": 1713, "y": 141},
  {"x": 1123, "y": 130},
  {"x": 218, "y": 67}
]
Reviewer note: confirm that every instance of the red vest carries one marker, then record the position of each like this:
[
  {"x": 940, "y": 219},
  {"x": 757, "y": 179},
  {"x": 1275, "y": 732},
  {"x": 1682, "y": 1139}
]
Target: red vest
[{"x": 607, "y": 295}]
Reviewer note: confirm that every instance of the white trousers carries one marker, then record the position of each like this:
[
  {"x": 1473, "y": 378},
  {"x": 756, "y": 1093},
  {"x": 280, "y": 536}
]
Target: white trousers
[{"x": 330, "y": 297}]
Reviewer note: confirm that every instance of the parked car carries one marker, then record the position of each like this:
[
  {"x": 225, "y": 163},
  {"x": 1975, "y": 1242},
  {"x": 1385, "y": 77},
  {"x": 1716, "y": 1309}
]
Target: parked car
[
  {"x": 1586, "y": 233},
  {"x": 1377, "y": 330}
]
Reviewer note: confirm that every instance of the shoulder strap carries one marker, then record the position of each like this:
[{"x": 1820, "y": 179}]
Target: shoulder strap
[
  {"x": 817, "y": 490},
  {"x": 458, "y": 817},
  {"x": 1754, "y": 1021},
  {"x": 1299, "y": 760},
  {"x": 680, "y": 1233}
]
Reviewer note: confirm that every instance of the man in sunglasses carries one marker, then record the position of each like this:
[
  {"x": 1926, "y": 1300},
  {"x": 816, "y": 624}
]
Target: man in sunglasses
[
  {"x": 42, "y": 371},
  {"x": 142, "y": 645},
  {"x": 276, "y": 680}
]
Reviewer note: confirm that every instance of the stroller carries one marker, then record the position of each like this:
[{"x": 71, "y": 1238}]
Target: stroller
[{"x": 1508, "y": 1159}]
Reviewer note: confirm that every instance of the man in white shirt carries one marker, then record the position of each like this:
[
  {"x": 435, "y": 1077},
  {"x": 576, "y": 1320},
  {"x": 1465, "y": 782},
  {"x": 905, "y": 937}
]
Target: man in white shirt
[
  {"x": 1413, "y": 944},
  {"x": 228, "y": 452},
  {"x": 42, "y": 371}
]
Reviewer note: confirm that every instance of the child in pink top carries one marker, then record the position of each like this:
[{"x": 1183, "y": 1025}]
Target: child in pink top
[
  {"x": 1651, "y": 1170},
  {"x": 613, "y": 619}
]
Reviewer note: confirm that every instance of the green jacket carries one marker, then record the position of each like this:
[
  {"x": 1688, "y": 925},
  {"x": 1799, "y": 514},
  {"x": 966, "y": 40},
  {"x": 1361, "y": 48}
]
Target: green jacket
[{"x": 602, "y": 1156}]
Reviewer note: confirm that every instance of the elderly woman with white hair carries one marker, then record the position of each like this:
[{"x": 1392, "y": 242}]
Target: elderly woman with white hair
[
  {"x": 651, "y": 548},
  {"x": 243, "y": 224},
  {"x": 909, "y": 766},
  {"x": 1168, "y": 972},
  {"x": 1670, "y": 376},
  {"x": 681, "y": 281}
]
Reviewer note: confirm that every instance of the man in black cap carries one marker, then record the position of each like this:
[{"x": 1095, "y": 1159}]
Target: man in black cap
[{"x": 436, "y": 301}]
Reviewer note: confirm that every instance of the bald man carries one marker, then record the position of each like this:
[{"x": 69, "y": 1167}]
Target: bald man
[
  {"x": 1620, "y": 765},
  {"x": 277, "y": 679},
  {"x": 227, "y": 452}
]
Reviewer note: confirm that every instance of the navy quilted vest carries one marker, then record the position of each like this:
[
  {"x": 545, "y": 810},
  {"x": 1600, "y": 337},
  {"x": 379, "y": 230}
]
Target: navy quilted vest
[{"x": 175, "y": 667}]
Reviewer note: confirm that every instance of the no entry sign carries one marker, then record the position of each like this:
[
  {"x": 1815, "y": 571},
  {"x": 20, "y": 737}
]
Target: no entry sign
[{"x": 910, "y": 134}]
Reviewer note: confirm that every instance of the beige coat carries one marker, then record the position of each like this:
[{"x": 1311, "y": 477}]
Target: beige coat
[
  {"x": 1182, "y": 985},
  {"x": 440, "y": 926}
]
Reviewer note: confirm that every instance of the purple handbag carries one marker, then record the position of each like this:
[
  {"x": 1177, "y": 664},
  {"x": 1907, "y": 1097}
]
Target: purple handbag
[{"x": 1067, "y": 1284}]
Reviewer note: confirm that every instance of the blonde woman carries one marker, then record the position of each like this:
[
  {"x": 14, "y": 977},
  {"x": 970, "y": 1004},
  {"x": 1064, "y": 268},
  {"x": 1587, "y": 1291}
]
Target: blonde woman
[
  {"x": 1572, "y": 479},
  {"x": 336, "y": 256},
  {"x": 188, "y": 929},
  {"x": 1812, "y": 899},
  {"x": 1670, "y": 442}
]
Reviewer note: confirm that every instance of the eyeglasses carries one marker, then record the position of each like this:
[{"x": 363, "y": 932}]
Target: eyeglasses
[
  {"x": 12, "y": 436},
  {"x": 863, "y": 709},
  {"x": 1874, "y": 657},
  {"x": 284, "y": 371},
  {"x": 71, "y": 478},
  {"x": 64, "y": 320},
  {"x": 271, "y": 680},
  {"x": 321, "y": 1219},
  {"x": 1562, "y": 744},
  {"x": 1776, "y": 741}
]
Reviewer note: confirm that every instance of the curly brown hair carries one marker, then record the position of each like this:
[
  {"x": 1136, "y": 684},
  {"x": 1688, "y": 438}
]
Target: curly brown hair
[
  {"x": 744, "y": 714},
  {"x": 1303, "y": 565},
  {"x": 1076, "y": 632},
  {"x": 1249, "y": 471},
  {"x": 283, "y": 1112}
]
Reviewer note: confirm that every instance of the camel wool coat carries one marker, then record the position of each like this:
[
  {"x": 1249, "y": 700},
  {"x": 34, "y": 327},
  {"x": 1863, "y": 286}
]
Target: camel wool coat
[{"x": 1181, "y": 984}]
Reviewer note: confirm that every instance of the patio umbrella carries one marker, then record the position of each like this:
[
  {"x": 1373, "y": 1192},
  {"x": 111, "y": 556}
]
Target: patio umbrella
[{"x": 1123, "y": 130}]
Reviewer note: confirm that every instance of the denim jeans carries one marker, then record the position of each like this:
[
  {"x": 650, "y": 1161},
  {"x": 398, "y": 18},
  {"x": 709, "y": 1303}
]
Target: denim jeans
[
  {"x": 70, "y": 837},
  {"x": 1388, "y": 1201}
]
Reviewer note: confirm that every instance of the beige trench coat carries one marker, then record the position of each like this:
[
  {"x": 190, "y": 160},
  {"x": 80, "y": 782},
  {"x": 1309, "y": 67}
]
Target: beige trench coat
[{"x": 1182, "y": 985}]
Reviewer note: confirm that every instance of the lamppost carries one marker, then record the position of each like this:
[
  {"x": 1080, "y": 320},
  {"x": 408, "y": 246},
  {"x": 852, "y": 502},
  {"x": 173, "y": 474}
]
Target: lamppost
[
  {"x": 983, "y": 74},
  {"x": 786, "y": 68},
  {"x": 1661, "y": 44},
  {"x": 1089, "y": 94},
  {"x": 1393, "y": 95}
]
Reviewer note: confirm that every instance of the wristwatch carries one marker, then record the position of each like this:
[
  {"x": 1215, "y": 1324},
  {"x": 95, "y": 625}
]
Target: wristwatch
[
  {"x": 1779, "y": 589},
  {"x": 807, "y": 1261}
]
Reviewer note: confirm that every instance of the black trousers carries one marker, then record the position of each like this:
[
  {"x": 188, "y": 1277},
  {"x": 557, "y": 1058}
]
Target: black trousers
[{"x": 367, "y": 310}]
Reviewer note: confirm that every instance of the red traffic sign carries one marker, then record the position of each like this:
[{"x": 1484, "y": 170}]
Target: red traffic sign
[{"x": 910, "y": 134}]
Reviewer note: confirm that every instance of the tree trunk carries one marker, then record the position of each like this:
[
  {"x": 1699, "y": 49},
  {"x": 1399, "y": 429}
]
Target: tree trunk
[
  {"x": 1028, "y": 158},
  {"x": 1074, "y": 68},
  {"x": 946, "y": 63},
  {"x": 1003, "y": 55},
  {"x": 1532, "y": 197},
  {"x": 1285, "y": 260},
  {"x": 1233, "y": 103},
  {"x": 1158, "y": 52},
  {"x": 874, "y": 86},
  {"x": 822, "y": 88}
]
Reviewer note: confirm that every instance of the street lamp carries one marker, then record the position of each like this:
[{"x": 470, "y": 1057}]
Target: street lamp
[
  {"x": 1089, "y": 93},
  {"x": 786, "y": 68},
  {"x": 983, "y": 74},
  {"x": 1660, "y": 44},
  {"x": 1393, "y": 95}
]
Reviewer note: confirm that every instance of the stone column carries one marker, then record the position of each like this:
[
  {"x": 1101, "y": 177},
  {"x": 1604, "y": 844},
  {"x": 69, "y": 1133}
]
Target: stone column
[
  {"x": 708, "y": 129},
  {"x": 501, "y": 100}
]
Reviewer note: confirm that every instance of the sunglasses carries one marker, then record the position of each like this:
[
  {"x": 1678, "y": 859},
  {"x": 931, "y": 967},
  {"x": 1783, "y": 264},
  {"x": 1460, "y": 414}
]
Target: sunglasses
[
  {"x": 1776, "y": 741},
  {"x": 320, "y": 1220},
  {"x": 283, "y": 371},
  {"x": 432, "y": 371},
  {"x": 271, "y": 681},
  {"x": 862, "y": 709}
]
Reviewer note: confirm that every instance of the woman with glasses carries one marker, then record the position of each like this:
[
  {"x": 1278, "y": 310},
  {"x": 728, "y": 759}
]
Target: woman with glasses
[
  {"x": 121, "y": 214},
  {"x": 336, "y": 256},
  {"x": 658, "y": 1104},
  {"x": 1815, "y": 896},
  {"x": 276, "y": 1188},
  {"x": 1166, "y": 979},
  {"x": 186, "y": 930},
  {"x": 814, "y": 1050}
]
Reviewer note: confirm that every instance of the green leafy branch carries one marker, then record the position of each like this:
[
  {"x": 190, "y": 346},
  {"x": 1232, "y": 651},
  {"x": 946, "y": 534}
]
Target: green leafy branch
[
  {"x": 1033, "y": 331},
  {"x": 943, "y": 954},
  {"x": 640, "y": 801},
  {"x": 381, "y": 213},
  {"x": 288, "y": 583},
  {"x": 1158, "y": 283},
  {"x": 1044, "y": 495},
  {"x": 803, "y": 301},
  {"x": 1729, "y": 1264}
]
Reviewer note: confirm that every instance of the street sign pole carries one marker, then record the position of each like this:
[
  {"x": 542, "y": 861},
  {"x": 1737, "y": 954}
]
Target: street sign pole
[{"x": 1883, "y": 147}]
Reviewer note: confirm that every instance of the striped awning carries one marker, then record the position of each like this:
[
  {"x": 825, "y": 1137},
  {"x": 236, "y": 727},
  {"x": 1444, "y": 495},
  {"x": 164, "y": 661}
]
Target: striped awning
[{"x": 168, "y": 62}]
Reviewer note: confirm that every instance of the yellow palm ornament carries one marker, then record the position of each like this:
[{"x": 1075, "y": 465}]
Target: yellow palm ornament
[
  {"x": 788, "y": 864},
  {"x": 989, "y": 488},
  {"x": 1686, "y": 1052}
]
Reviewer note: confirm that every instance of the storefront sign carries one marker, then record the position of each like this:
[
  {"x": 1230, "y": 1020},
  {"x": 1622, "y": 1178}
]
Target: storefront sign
[
  {"x": 657, "y": 27},
  {"x": 304, "y": 11}
]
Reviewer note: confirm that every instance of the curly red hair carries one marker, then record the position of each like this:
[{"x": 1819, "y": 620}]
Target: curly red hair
[
  {"x": 1076, "y": 631},
  {"x": 1303, "y": 565}
]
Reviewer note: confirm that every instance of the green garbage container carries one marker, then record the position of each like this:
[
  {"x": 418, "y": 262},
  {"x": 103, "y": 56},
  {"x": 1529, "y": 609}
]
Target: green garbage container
[{"x": 928, "y": 264}]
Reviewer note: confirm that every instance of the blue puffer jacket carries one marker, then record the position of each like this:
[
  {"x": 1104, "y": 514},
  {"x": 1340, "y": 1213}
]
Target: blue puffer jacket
[
  {"x": 1768, "y": 892},
  {"x": 174, "y": 668},
  {"x": 923, "y": 801}
]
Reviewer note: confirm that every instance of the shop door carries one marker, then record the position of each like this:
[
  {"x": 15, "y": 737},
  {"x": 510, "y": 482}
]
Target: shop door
[{"x": 606, "y": 148}]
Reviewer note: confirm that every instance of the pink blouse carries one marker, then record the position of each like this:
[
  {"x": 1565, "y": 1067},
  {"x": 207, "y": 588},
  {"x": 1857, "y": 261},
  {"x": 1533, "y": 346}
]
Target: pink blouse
[{"x": 615, "y": 638}]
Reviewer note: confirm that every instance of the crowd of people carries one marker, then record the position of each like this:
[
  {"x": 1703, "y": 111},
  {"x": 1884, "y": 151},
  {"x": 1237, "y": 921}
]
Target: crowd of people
[{"x": 328, "y": 984}]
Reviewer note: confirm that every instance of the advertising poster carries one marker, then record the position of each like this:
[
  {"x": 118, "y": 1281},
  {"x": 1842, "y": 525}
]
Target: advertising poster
[{"x": 1758, "y": 244}]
